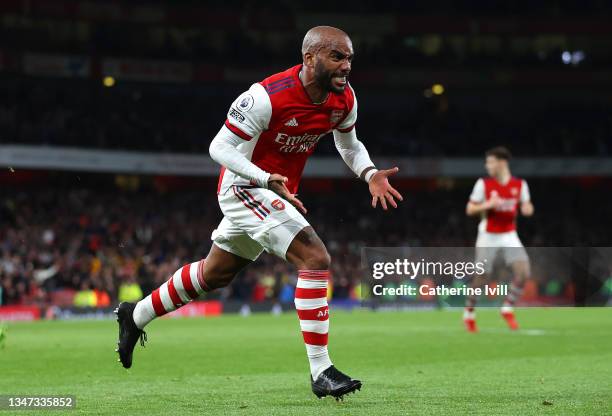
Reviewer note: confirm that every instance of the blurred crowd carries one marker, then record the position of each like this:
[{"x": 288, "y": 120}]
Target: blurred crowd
[
  {"x": 109, "y": 244},
  {"x": 185, "y": 119},
  {"x": 268, "y": 33}
]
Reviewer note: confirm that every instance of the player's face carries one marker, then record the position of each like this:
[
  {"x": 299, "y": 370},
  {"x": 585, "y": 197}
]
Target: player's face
[
  {"x": 493, "y": 165},
  {"x": 333, "y": 65}
]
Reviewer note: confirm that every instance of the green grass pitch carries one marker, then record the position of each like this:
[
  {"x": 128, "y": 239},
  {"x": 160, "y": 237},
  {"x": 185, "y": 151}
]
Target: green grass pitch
[{"x": 411, "y": 363}]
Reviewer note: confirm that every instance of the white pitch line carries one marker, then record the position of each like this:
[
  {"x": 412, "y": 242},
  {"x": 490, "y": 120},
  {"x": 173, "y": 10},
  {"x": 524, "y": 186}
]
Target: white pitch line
[
  {"x": 530, "y": 332},
  {"x": 459, "y": 328}
]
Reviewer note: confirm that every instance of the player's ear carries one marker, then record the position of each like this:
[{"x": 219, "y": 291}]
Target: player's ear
[{"x": 308, "y": 59}]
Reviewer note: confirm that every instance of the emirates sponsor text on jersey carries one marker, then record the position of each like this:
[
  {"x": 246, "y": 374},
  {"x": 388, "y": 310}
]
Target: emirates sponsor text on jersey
[{"x": 297, "y": 144}]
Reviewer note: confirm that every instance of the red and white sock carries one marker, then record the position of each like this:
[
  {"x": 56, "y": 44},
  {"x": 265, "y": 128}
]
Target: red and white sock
[
  {"x": 186, "y": 284},
  {"x": 469, "y": 318},
  {"x": 312, "y": 309}
]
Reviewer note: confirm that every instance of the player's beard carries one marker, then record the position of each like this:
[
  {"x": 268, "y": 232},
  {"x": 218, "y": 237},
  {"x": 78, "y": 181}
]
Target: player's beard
[{"x": 323, "y": 78}]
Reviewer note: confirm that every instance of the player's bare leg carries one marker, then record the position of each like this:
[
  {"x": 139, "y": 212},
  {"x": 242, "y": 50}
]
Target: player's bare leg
[
  {"x": 308, "y": 253},
  {"x": 520, "y": 270},
  {"x": 469, "y": 313},
  {"x": 185, "y": 285}
]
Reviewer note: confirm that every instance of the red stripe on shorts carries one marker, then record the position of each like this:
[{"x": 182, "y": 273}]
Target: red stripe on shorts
[
  {"x": 247, "y": 204},
  {"x": 256, "y": 201}
]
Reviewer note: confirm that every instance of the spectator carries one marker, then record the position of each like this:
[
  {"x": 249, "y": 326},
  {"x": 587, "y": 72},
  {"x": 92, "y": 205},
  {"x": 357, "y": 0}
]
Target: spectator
[
  {"x": 85, "y": 297},
  {"x": 130, "y": 291}
]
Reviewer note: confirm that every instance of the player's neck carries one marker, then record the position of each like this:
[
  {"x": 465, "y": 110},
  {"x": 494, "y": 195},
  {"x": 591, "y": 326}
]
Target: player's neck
[
  {"x": 504, "y": 177},
  {"x": 316, "y": 94}
]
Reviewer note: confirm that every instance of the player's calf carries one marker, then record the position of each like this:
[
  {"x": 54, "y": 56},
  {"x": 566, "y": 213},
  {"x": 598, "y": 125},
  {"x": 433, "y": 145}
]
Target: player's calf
[
  {"x": 313, "y": 312},
  {"x": 185, "y": 285},
  {"x": 308, "y": 253}
]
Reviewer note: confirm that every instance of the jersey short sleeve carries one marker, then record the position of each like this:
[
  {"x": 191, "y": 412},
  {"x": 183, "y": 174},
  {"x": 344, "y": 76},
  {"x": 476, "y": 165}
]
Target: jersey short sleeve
[
  {"x": 250, "y": 113},
  {"x": 349, "y": 121},
  {"x": 478, "y": 193},
  {"x": 525, "y": 195}
]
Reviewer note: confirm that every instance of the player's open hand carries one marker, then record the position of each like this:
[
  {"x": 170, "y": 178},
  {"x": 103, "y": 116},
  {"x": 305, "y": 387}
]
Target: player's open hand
[
  {"x": 381, "y": 189},
  {"x": 277, "y": 184}
]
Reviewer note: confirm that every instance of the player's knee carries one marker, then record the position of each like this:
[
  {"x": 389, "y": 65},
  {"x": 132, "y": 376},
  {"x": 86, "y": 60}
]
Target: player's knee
[
  {"x": 218, "y": 277},
  {"x": 317, "y": 260},
  {"x": 218, "y": 281}
]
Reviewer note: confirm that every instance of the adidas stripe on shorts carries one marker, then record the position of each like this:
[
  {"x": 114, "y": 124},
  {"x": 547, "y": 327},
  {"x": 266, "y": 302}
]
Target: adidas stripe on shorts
[{"x": 256, "y": 219}]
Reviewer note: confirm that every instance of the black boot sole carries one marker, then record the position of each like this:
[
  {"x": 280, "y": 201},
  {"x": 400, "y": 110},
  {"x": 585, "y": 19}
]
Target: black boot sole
[{"x": 340, "y": 393}]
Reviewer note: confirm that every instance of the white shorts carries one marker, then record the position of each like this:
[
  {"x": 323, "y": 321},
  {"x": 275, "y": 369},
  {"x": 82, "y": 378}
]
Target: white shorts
[
  {"x": 507, "y": 245},
  {"x": 256, "y": 219}
]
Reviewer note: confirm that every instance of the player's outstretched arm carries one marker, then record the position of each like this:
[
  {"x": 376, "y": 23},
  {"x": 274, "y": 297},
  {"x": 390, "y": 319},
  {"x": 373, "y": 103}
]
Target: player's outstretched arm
[
  {"x": 381, "y": 189},
  {"x": 356, "y": 156}
]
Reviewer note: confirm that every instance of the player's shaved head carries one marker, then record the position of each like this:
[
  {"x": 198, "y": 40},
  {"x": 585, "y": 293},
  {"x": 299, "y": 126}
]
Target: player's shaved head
[
  {"x": 323, "y": 37},
  {"x": 327, "y": 52}
]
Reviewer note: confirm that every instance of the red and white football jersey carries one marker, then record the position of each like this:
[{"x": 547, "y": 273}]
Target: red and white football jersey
[
  {"x": 281, "y": 127},
  {"x": 502, "y": 219}
]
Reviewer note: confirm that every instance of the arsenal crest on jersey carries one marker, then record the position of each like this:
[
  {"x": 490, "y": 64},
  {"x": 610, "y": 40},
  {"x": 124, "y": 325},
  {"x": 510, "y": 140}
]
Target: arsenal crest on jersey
[
  {"x": 278, "y": 205},
  {"x": 514, "y": 191},
  {"x": 336, "y": 116}
]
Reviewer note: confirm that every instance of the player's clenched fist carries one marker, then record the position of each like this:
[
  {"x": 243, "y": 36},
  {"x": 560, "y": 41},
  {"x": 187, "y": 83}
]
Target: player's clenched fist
[
  {"x": 381, "y": 189},
  {"x": 277, "y": 184}
]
